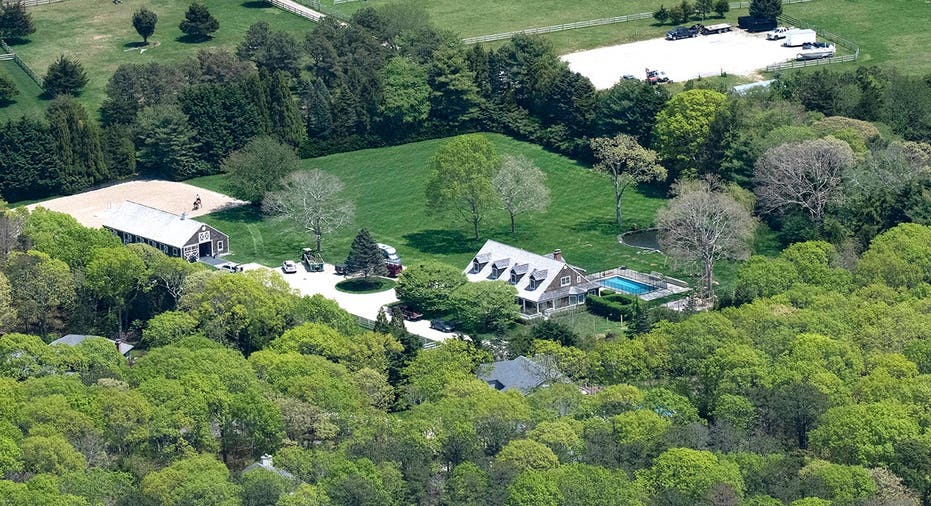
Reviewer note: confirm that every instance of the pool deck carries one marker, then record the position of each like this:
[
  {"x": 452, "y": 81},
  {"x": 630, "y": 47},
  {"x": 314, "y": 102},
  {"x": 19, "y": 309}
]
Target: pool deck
[{"x": 665, "y": 286}]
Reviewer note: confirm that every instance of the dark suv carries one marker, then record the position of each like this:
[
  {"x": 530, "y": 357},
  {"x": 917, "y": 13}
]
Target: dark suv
[{"x": 681, "y": 32}]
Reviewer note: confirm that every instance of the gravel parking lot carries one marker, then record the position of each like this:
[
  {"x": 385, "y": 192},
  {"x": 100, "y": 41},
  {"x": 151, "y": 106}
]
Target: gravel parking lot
[{"x": 736, "y": 52}]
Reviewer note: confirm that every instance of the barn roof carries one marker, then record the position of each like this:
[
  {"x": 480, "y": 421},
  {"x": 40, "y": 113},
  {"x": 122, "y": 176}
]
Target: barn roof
[{"x": 154, "y": 224}]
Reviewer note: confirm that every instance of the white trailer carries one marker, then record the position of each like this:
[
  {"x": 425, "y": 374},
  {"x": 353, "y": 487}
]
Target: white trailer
[{"x": 800, "y": 37}]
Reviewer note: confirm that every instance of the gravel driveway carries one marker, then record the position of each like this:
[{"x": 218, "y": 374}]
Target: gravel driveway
[
  {"x": 365, "y": 305},
  {"x": 736, "y": 52}
]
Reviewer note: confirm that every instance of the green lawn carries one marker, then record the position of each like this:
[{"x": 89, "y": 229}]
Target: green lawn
[
  {"x": 889, "y": 32},
  {"x": 388, "y": 188},
  {"x": 99, "y": 33},
  {"x": 27, "y": 102},
  {"x": 482, "y": 17}
]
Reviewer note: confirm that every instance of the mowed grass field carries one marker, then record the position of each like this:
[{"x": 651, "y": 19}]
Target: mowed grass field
[
  {"x": 482, "y": 17},
  {"x": 388, "y": 187},
  {"x": 28, "y": 101},
  {"x": 100, "y": 35},
  {"x": 889, "y": 32}
]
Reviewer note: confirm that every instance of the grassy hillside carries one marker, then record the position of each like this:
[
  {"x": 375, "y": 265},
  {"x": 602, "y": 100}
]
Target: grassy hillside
[
  {"x": 482, "y": 17},
  {"x": 388, "y": 188},
  {"x": 889, "y": 32},
  {"x": 100, "y": 35},
  {"x": 27, "y": 101}
]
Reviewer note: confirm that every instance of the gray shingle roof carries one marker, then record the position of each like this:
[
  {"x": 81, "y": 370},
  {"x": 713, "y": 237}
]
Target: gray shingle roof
[
  {"x": 76, "y": 339},
  {"x": 155, "y": 224},
  {"x": 520, "y": 374}
]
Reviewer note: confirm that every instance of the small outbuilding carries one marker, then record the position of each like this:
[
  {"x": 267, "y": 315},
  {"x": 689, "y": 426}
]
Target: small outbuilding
[
  {"x": 521, "y": 374},
  {"x": 76, "y": 339},
  {"x": 174, "y": 235}
]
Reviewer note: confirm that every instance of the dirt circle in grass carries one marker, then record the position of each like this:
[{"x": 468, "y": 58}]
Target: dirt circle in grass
[{"x": 365, "y": 285}]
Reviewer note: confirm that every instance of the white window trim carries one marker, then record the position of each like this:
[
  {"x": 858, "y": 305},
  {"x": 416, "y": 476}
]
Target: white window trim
[
  {"x": 565, "y": 281},
  {"x": 219, "y": 245}
]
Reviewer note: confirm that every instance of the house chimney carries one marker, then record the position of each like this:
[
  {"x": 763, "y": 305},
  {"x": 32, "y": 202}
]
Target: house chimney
[
  {"x": 557, "y": 255},
  {"x": 266, "y": 460}
]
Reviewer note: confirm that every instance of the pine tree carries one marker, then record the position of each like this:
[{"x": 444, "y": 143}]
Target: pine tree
[
  {"x": 283, "y": 112},
  {"x": 317, "y": 105},
  {"x": 766, "y": 8},
  {"x": 255, "y": 88},
  {"x": 198, "y": 23},
  {"x": 381, "y": 322},
  {"x": 64, "y": 77},
  {"x": 77, "y": 145},
  {"x": 15, "y": 22},
  {"x": 365, "y": 257}
]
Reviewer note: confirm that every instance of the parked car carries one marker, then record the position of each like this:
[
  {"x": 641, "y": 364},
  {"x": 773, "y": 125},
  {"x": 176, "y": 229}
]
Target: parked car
[
  {"x": 230, "y": 267},
  {"x": 629, "y": 77},
  {"x": 779, "y": 33},
  {"x": 394, "y": 270},
  {"x": 289, "y": 267},
  {"x": 410, "y": 314},
  {"x": 682, "y": 32},
  {"x": 657, "y": 76},
  {"x": 340, "y": 269},
  {"x": 391, "y": 254},
  {"x": 441, "y": 325}
]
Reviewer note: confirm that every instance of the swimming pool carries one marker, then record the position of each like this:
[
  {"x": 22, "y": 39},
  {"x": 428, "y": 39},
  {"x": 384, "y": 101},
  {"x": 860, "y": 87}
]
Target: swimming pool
[{"x": 626, "y": 285}]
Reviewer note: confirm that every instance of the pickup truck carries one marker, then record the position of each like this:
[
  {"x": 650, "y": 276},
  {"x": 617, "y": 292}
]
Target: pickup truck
[
  {"x": 681, "y": 32},
  {"x": 779, "y": 33},
  {"x": 657, "y": 76}
]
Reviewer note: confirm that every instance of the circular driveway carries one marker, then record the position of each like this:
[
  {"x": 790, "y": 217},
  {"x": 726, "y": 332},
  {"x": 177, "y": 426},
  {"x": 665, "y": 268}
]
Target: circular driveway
[{"x": 365, "y": 305}]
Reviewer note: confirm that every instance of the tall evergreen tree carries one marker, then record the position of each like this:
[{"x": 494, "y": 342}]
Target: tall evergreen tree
[
  {"x": 167, "y": 144},
  {"x": 317, "y": 105},
  {"x": 365, "y": 257},
  {"x": 198, "y": 23},
  {"x": 77, "y": 145},
  {"x": 119, "y": 152},
  {"x": 223, "y": 116},
  {"x": 766, "y": 8},
  {"x": 286, "y": 122},
  {"x": 15, "y": 22},
  {"x": 255, "y": 88},
  {"x": 64, "y": 77},
  {"x": 29, "y": 166}
]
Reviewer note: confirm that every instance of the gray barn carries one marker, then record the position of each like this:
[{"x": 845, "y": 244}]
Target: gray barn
[{"x": 174, "y": 235}]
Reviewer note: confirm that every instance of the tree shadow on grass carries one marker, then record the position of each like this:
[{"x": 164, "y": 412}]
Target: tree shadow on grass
[
  {"x": 239, "y": 214},
  {"x": 192, "y": 39},
  {"x": 256, "y": 4},
  {"x": 604, "y": 226},
  {"x": 441, "y": 242},
  {"x": 135, "y": 44}
]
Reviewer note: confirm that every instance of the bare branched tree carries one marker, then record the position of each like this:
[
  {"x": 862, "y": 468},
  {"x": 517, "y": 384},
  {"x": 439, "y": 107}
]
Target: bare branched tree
[
  {"x": 521, "y": 186},
  {"x": 701, "y": 226},
  {"x": 626, "y": 162},
  {"x": 806, "y": 175},
  {"x": 311, "y": 199}
]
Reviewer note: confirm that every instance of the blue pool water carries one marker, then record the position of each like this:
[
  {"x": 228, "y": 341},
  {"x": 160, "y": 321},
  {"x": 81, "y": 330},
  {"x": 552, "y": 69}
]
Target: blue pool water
[{"x": 625, "y": 285}]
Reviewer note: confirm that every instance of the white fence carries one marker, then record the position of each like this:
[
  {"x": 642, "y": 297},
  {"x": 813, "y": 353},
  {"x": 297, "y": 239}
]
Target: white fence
[
  {"x": 31, "y": 3},
  {"x": 10, "y": 55},
  {"x": 586, "y": 24},
  {"x": 558, "y": 28},
  {"x": 313, "y": 16}
]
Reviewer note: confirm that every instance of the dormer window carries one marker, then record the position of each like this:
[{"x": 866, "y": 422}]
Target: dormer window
[
  {"x": 479, "y": 262},
  {"x": 533, "y": 284},
  {"x": 518, "y": 272},
  {"x": 498, "y": 268}
]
